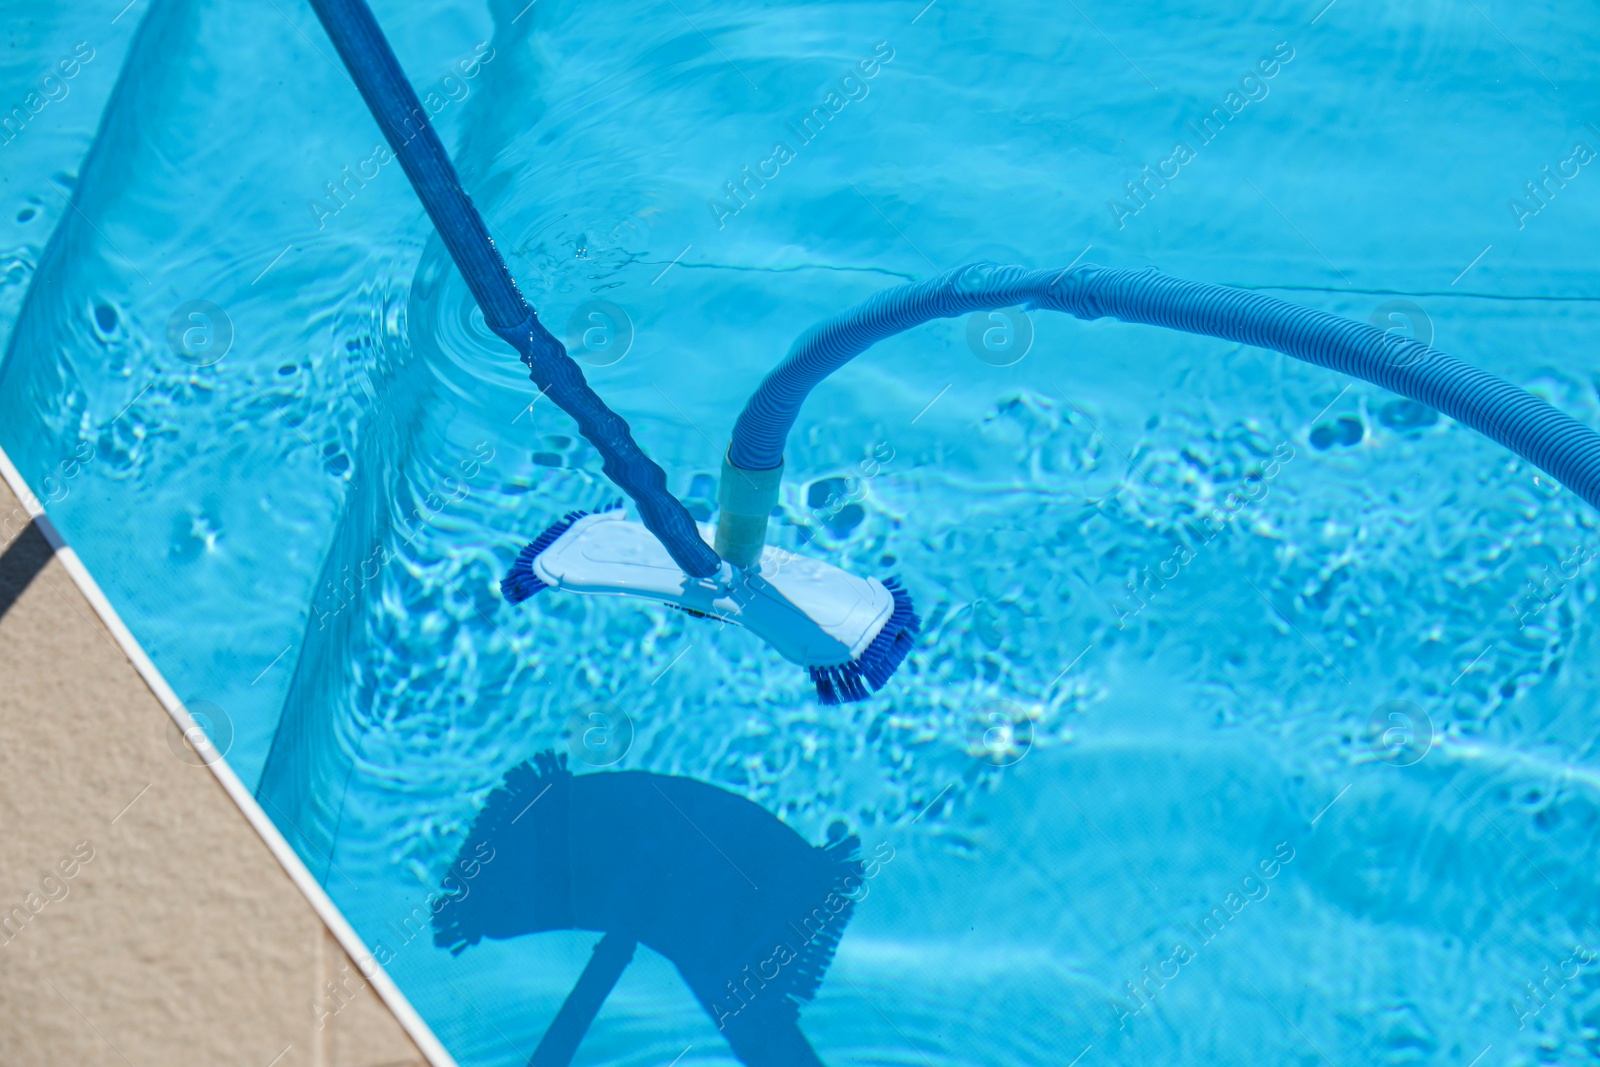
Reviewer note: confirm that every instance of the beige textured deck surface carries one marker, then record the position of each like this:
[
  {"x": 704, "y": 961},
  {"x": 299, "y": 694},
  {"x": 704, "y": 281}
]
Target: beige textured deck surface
[{"x": 180, "y": 940}]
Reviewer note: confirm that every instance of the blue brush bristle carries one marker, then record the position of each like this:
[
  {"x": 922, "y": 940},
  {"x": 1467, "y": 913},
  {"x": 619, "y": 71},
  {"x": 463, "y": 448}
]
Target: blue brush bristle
[
  {"x": 521, "y": 583},
  {"x": 849, "y": 682}
]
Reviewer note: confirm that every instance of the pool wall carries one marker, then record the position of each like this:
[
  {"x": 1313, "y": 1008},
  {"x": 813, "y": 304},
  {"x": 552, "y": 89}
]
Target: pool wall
[{"x": 299, "y": 874}]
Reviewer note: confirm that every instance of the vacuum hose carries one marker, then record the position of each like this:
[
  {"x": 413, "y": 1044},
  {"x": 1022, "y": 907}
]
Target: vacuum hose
[{"x": 1552, "y": 441}]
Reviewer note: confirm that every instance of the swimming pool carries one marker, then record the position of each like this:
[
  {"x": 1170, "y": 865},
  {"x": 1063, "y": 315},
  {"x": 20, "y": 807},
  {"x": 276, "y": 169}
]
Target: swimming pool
[{"x": 1110, "y": 732}]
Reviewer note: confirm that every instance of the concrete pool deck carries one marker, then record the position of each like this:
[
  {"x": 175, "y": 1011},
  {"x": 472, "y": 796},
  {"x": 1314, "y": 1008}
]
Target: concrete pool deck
[{"x": 143, "y": 919}]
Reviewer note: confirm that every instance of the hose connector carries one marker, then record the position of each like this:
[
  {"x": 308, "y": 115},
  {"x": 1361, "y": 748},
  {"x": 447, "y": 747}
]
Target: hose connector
[{"x": 745, "y": 500}]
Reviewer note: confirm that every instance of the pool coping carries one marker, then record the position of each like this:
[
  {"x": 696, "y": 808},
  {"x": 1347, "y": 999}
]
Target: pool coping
[{"x": 388, "y": 991}]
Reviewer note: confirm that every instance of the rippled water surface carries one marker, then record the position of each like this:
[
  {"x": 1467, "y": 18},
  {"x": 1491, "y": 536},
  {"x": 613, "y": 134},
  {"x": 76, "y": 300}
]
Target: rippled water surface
[{"x": 1113, "y": 727}]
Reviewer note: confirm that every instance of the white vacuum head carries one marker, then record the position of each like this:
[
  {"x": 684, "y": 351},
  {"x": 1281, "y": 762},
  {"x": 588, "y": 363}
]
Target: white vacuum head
[{"x": 849, "y": 633}]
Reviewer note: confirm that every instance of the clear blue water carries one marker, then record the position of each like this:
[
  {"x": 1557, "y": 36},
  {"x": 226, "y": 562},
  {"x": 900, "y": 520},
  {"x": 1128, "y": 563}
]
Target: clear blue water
[{"x": 1164, "y": 753}]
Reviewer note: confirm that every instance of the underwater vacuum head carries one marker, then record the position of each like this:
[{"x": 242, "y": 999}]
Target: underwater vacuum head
[{"x": 849, "y": 633}]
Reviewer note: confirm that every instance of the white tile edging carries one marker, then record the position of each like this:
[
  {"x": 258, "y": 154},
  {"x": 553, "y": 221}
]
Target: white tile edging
[{"x": 418, "y": 1030}]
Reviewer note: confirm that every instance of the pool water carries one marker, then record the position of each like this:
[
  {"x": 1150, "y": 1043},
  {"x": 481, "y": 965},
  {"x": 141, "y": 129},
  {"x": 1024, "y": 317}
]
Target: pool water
[{"x": 1317, "y": 786}]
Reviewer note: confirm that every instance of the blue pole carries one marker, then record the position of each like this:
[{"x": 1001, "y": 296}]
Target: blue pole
[{"x": 405, "y": 125}]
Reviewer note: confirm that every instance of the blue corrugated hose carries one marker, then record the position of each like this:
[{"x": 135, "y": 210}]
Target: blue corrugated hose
[
  {"x": 1555, "y": 443},
  {"x": 1552, "y": 441},
  {"x": 400, "y": 115}
]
